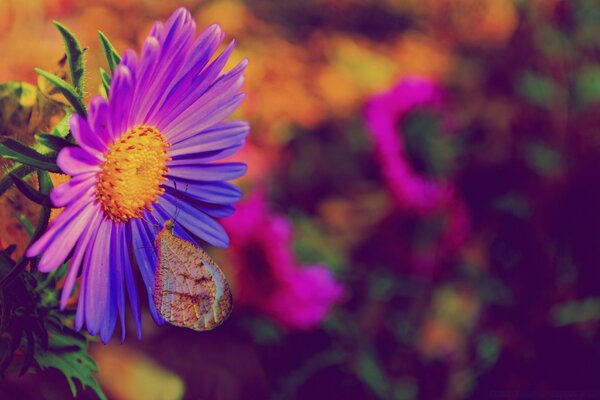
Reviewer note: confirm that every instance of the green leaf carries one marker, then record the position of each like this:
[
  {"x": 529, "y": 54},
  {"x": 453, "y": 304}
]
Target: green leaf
[
  {"x": 68, "y": 353},
  {"x": 369, "y": 371},
  {"x": 112, "y": 56},
  {"x": 105, "y": 80},
  {"x": 587, "y": 85},
  {"x": 30, "y": 192},
  {"x": 27, "y": 225},
  {"x": 75, "y": 57},
  {"x": 488, "y": 349},
  {"x": 15, "y": 150},
  {"x": 538, "y": 89},
  {"x": 576, "y": 312},
  {"x": 67, "y": 90},
  {"x": 29, "y": 352},
  {"x": 20, "y": 171},
  {"x": 45, "y": 184},
  {"x": 62, "y": 128},
  {"x": 543, "y": 159},
  {"x": 49, "y": 297},
  {"x": 53, "y": 142}
]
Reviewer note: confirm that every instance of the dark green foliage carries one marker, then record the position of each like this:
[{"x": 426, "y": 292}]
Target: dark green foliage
[
  {"x": 112, "y": 56},
  {"x": 105, "y": 80},
  {"x": 14, "y": 150},
  {"x": 20, "y": 171},
  {"x": 67, "y": 352},
  {"x": 75, "y": 57},
  {"x": 30, "y": 192},
  {"x": 53, "y": 142},
  {"x": 34, "y": 333},
  {"x": 67, "y": 90}
]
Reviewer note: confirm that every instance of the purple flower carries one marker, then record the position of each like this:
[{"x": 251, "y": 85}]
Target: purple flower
[
  {"x": 270, "y": 279},
  {"x": 146, "y": 155},
  {"x": 411, "y": 190}
]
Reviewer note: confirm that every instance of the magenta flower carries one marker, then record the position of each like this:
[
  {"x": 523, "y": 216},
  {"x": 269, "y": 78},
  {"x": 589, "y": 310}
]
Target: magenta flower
[
  {"x": 271, "y": 281},
  {"x": 411, "y": 190},
  {"x": 146, "y": 155}
]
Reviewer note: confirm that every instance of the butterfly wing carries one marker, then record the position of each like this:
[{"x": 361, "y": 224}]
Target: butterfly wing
[{"x": 190, "y": 290}]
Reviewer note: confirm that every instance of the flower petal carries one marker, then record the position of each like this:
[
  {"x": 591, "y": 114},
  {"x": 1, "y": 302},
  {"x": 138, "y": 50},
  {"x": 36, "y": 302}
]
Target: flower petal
[
  {"x": 145, "y": 255},
  {"x": 98, "y": 121},
  {"x": 97, "y": 294},
  {"x": 200, "y": 54},
  {"x": 85, "y": 137},
  {"x": 205, "y": 172},
  {"x": 216, "y": 192},
  {"x": 213, "y": 93},
  {"x": 194, "y": 220},
  {"x": 217, "y": 137},
  {"x": 212, "y": 107},
  {"x": 74, "y": 161},
  {"x": 121, "y": 89},
  {"x": 83, "y": 244},
  {"x": 176, "y": 39},
  {"x": 117, "y": 284},
  {"x": 148, "y": 64},
  {"x": 72, "y": 190},
  {"x": 65, "y": 229}
]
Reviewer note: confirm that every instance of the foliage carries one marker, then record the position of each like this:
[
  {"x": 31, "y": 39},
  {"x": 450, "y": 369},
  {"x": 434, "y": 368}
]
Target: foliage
[{"x": 34, "y": 333}]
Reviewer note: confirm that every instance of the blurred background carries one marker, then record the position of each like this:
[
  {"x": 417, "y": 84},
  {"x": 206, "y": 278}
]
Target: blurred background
[{"x": 421, "y": 217}]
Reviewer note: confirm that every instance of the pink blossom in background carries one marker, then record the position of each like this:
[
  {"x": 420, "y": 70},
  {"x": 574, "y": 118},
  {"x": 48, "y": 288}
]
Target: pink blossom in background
[
  {"x": 411, "y": 190},
  {"x": 269, "y": 278}
]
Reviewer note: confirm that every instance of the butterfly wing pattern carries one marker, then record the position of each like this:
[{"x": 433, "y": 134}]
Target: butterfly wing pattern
[{"x": 190, "y": 290}]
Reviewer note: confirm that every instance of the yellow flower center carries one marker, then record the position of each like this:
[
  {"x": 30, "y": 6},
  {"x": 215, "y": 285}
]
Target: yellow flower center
[{"x": 135, "y": 167}]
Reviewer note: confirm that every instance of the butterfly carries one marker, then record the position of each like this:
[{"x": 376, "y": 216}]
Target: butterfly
[{"x": 190, "y": 290}]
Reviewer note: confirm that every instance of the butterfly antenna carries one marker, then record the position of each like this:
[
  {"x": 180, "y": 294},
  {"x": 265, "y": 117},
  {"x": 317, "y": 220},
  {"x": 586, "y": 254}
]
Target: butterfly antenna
[
  {"x": 187, "y": 185},
  {"x": 157, "y": 228}
]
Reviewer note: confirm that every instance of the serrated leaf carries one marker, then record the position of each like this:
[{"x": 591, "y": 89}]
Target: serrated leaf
[
  {"x": 53, "y": 142},
  {"x": 67, "y": 90},
  {"x": 26, "y": 110},
  {"x": 112, "y": 56},
  {"x": 75, "y": 57},
  {"x": 30, "y": 192},
  {"x": 105, "y": 81},
  {"x": 62, "y": 128},
  {"x": 17, "y": 151},
  {"x": 21, "y": 171},
  {"x": 68, "y": 354},
  {"x": 45, "y": 184}
]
